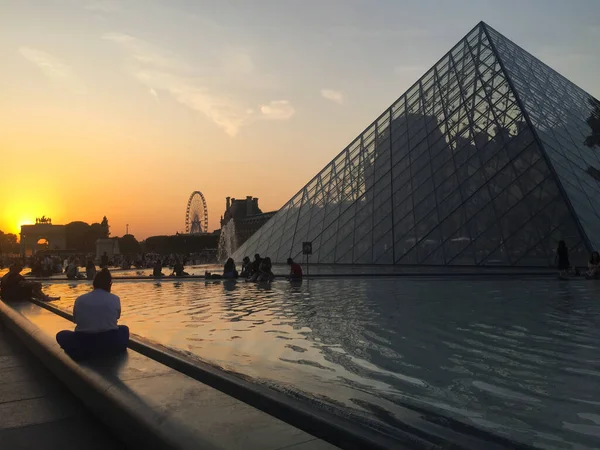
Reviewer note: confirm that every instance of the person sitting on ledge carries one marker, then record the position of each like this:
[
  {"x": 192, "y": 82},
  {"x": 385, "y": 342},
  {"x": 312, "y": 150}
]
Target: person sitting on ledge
[
  {"x": 229, "y": 270},
  {"x": 13, "y": 287},
  {"x": 295, "y": 270},
  {"x": 96, "y": 314},
  {"x": 255, "y": 268},
  {"x": 265, "y": 270},
  {"x": 594, "y": 266},
  {"x": 245, "y": 267},
  {"x": 178, "y": 270},
  {"x": 157, "y": 270},
  {"x": 90, "y": 270},
  {"x": 73, "y": 270}
]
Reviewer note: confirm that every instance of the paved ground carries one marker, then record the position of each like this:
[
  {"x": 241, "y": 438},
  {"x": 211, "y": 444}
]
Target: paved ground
[{"x": 36, "y": 410}]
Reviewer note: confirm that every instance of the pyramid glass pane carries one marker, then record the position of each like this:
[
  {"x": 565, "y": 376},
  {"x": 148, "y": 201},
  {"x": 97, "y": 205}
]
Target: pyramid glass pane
[
  {"x": 562, "y": 115},
  {"x": 458, "y": 171}
]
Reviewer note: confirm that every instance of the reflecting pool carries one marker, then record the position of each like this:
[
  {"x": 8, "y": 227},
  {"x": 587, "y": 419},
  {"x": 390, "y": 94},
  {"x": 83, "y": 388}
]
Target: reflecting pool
[{"x": 517, "y": 357}]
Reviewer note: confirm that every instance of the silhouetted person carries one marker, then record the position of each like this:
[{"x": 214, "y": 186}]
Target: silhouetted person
[
  {"x": 13, "y": 287},
  {"x": 96, "y": 315},
  {"x": 90, "y": 270},
  {"x": 245, "y": 267},
  {"x": 104, "y": 260},
  {"x": 157, "y": 270},
  {"x": 562, "y": 256},
  {"x": 255, "y": 267},
  {"x": 178, "y": 270},
  {"x": 265, "y": 272},
  {"x": 72, "y": 270},
  {"x": 229, "y": 270},
  {"x": 295, "y": 270},
  {"x": 594, "y": 266}
]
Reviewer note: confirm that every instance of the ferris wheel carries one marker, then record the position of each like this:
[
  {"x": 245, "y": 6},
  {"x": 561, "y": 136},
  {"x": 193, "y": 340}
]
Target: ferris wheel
[{"x": 196, "y": 214}]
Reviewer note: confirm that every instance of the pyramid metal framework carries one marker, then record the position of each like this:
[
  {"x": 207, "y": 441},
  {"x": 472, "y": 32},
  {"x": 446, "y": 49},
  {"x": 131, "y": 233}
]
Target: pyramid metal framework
[{"x": 483, "y": 161}]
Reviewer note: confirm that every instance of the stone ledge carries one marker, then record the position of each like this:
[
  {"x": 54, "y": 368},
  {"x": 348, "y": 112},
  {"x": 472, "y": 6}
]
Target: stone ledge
[
  {"x": 179, "y": 411},
  {"x": 319, "y": 423},
  {"x": 147, "y": 404}
]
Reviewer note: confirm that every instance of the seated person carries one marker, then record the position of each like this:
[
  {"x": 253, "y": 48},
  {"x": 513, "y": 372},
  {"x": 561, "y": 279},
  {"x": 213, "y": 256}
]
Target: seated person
[
  {"x": 265, "y": 272},
  {"x": 295, "y": 270},
  {"x": 157, "y": 270},
  {"x": 96, "y": 314},
  {"x": 255, "y": 268},
  {"x": 73, "y": 271},
  {"x": 178, "y": 270},
  {"x": 36, "y": 268},
  {"x": 594, "y": 266},
  {"x": 47, "y": 268},
  {"x": 13, "y": 287},
  {"x": 229, "y": 269},
  {"x": 245, "y": 267},
  {"x": 90, "y": 270}
]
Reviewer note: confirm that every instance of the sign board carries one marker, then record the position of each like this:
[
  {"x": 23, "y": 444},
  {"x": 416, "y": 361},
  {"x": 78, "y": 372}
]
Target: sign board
[{"x": 307, "y": 248}]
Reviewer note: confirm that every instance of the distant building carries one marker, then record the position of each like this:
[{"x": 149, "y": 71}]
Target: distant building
[
  {"x": 246, "y": 215},
  {"x": 110, "y": 246},
  {"x": 55, "y": 235}
]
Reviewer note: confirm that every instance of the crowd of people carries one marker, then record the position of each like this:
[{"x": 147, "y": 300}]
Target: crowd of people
[
  {"x": 564, "y": 265},
  {"x": 96, "y": 314},
  {"x": 261, "y": 269}
]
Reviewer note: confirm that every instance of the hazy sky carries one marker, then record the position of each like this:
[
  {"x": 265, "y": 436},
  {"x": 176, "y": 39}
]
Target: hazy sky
[{"x": 123, "y": 108}]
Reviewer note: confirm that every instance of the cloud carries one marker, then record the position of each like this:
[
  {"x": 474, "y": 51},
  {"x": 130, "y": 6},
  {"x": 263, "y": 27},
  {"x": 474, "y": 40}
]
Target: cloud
[
  {"x": 55, "y": 69},
  {"x": 277, "y": 110},
  {"x": 206, "y": 86},
  {"x": 154, "y": 94},
  {"x": 146, "y": 53},
  {"x": 334, "y": 96}
]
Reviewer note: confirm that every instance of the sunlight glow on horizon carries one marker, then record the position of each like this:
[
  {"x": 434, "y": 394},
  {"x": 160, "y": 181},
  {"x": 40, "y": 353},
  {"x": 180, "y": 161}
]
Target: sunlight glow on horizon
[{"x": 145, "y": 101}]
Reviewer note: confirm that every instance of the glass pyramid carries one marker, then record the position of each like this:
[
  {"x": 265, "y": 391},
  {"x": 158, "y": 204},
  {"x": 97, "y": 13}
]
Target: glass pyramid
[{"x": 488, "y": 159}]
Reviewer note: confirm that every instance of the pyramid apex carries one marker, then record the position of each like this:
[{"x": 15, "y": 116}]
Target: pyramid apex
[{"x": 469, "y": 167}]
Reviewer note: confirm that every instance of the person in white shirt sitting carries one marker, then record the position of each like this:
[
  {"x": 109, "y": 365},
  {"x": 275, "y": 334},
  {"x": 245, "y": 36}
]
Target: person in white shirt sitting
[
  {"x": 73, "y": 270},
  {"x": 96, "y": 315}
]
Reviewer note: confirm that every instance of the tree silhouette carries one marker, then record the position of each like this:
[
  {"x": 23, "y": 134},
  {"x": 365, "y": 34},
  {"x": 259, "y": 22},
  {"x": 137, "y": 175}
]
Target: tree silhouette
[
  {"x": 8, "y": 243},
  {"x": 128, "y": 245},
  {"x": 105, "y": 227},
  {"x": 82, "y": 237}
]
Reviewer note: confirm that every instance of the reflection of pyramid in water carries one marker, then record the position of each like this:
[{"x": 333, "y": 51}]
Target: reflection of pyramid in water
[{"x": 481, "y": 162}]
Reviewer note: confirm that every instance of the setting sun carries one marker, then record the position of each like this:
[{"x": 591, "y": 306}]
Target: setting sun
[
  {"x": 25, "y": 221},
  {"x": 23, "y": 208}
]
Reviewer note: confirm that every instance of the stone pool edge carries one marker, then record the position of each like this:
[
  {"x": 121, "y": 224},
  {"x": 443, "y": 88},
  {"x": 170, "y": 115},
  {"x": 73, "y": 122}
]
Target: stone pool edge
[
  {"x": 321, "y": 424},
  {"x": 131, "y": 428}
]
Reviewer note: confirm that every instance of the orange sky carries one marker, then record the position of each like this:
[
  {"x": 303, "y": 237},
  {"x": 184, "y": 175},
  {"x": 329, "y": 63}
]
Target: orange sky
[
  {"x": 123, "y": 108},
  {"x": 73, "y": 158}
]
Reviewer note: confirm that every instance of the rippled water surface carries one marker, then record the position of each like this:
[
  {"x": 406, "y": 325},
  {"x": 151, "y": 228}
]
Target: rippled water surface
[{"x": 517, "y": 357}]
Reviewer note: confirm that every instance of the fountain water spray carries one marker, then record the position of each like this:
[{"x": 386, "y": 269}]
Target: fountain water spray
[{"x": 227, "y": 241}]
